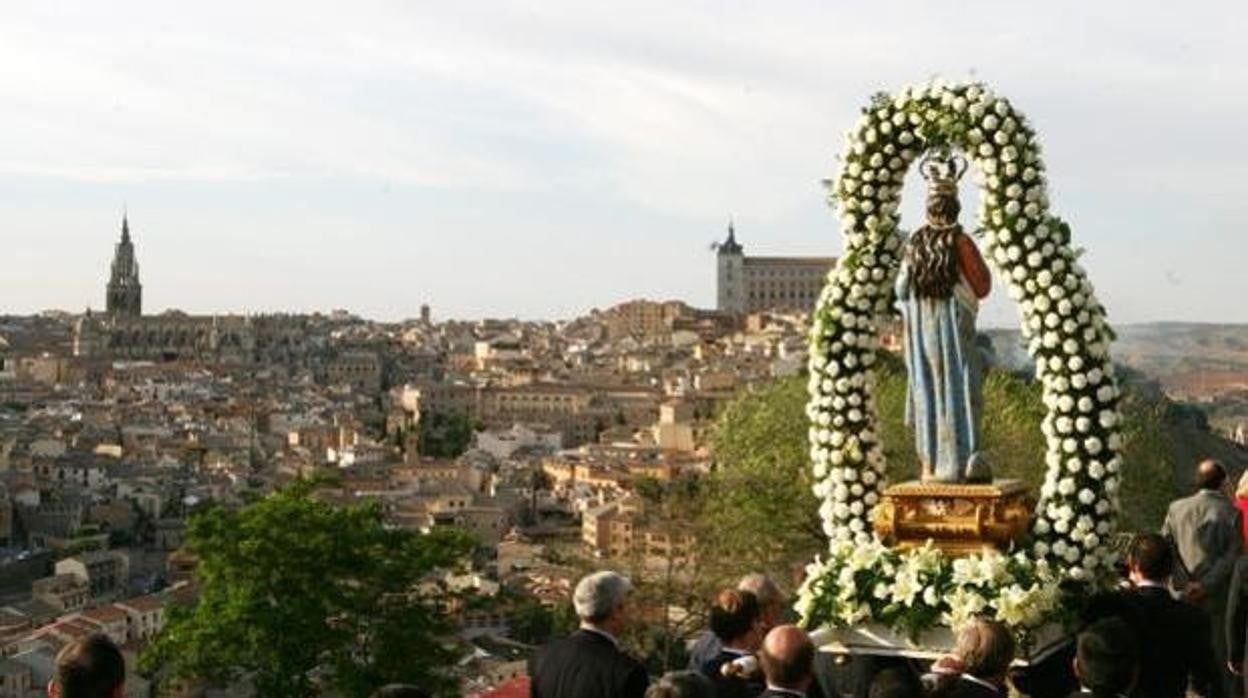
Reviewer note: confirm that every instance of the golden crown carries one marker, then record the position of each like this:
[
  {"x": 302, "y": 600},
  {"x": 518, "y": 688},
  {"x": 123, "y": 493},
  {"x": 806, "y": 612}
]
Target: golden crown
[{"x": 942, "y": 171}]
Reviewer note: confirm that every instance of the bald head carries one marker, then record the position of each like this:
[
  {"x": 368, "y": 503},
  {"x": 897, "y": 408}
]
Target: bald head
[
  {"x": 787, "y": 657},
  {"x": 1210, "y": 475}
]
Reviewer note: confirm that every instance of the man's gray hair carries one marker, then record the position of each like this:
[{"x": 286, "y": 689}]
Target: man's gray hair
[
  {"x": 600, "y": 593},
  {"x": 765, "y": 590}
]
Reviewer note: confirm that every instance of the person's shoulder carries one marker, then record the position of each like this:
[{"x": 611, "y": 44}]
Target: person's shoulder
[
  {"x": 577, "y": 642},
  {"x": 1184, "y": 502},
  {"x": 1185, "y": 617}
]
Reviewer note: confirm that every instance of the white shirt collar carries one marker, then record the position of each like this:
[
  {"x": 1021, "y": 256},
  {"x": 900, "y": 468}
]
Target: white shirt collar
[
  {"x": 786, "y": 691},
  {"x": 1148, "y": 583},
  {"x": 599, "y": 631}
]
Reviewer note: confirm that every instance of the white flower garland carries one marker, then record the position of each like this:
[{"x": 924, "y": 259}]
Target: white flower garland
[{"x": 1063, "y": 323}]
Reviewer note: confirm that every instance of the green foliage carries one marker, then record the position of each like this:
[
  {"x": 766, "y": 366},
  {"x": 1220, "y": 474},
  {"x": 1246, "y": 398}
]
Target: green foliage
[
  {"x": 445, "y": 435},
  {"x": 758, "y": 510},
  {"x": 531, "y": 622},
  {"x": 298, "y": 596}
]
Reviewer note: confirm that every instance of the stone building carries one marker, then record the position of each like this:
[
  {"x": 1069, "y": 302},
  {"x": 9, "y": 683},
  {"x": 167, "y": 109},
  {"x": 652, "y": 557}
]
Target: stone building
[
  {"x": 124, "y": 333},
  {"x": 748, "y": 284},
  {"x": 106, "y": 572}
]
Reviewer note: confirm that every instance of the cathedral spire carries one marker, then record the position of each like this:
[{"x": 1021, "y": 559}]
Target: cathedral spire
[{"x": 125, "y": 293}]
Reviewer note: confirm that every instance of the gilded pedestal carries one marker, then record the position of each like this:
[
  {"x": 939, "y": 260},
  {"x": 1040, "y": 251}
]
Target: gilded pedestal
[{"x": 960, "y": 519}]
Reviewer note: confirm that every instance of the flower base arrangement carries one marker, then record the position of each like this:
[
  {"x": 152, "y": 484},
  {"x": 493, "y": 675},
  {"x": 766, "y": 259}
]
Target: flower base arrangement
[{"x": 861, "y": 580}]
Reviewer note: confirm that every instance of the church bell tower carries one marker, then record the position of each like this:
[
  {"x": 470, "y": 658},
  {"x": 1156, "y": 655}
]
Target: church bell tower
[{"x": 125, "y": 293}]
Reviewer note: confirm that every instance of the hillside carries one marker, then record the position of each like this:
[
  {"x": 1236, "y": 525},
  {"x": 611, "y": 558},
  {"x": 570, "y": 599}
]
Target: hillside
[{"x": 1188, "y": 358}]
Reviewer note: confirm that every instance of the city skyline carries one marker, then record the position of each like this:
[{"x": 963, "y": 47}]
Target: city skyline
[{"x": 539, "y": 162}]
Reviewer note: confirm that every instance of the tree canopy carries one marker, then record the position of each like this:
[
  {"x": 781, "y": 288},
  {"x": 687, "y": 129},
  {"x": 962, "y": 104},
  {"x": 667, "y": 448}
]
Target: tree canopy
[
  {"x": 297, "y": 596},
  {"x": 444, "y": 435}
]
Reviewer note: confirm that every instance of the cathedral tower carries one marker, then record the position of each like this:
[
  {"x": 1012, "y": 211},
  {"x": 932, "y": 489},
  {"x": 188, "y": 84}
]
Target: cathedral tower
[{"x": 125, "y": 293}]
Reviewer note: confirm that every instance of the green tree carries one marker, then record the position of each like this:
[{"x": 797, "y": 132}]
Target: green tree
[
  {"x": 758, "y": 512},
  {"x": 298, "y": 596},
  {"x": 445, "y": 435}
]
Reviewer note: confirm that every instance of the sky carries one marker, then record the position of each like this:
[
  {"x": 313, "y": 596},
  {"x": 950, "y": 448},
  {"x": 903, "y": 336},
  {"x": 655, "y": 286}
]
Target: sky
[{"x": 539, "y": 159}]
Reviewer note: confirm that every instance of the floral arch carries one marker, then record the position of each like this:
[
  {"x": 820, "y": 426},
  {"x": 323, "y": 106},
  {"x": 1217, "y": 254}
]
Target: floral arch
[{"x": 1066, "y": 334}]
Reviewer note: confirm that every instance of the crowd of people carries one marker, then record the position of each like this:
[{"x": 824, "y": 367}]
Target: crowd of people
[{"x": 1175, "y": 627}]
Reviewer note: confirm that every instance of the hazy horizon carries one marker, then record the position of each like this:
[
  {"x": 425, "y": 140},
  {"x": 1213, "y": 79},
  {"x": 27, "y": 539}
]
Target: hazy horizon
[{"x": 538, "y": 160}]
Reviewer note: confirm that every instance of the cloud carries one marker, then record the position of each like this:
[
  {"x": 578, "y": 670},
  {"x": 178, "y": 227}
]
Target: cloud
[{"x": 582, "y": 124}]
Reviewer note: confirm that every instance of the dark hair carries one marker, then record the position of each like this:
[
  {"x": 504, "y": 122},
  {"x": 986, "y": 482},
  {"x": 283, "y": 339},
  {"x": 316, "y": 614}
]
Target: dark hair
[
  {"x": 682, "y": 684},
  {"x": 1152, "y": 555},
  {"x": 943, "y": 208},
  {"x": 1210, "y": 475},
  {"x": 1106, "y": 657},
  {"x": 90, "y": 668},
  {"x": 788, "y": 672},
  {"x": 400, "y": 690},
  {"x": 986, "y": 648},
  {"x": 895, "y": 682},
  {"x": 931, "y": 255},
  {"x": 733, "y": 614}
]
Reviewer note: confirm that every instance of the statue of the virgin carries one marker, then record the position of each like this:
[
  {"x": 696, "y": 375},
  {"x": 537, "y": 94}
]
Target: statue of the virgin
[{"x": 943, "y": 277}]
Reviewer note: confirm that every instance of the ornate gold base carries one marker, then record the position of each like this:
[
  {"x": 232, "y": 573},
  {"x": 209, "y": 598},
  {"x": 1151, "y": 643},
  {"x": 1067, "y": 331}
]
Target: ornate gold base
[{"x": 958, "y": 519}]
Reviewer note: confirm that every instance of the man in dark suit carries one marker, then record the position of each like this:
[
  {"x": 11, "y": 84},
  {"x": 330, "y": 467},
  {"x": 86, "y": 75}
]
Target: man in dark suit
[
  {"x": 1106, "y": 661},
  {"x": 589, "y": 663},
  {"x": 788, "y": 659},
  {"x": 984, "y": 652},
  {"x": 1173, "y": 637},
  {"x": 736, "y": 619}
]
